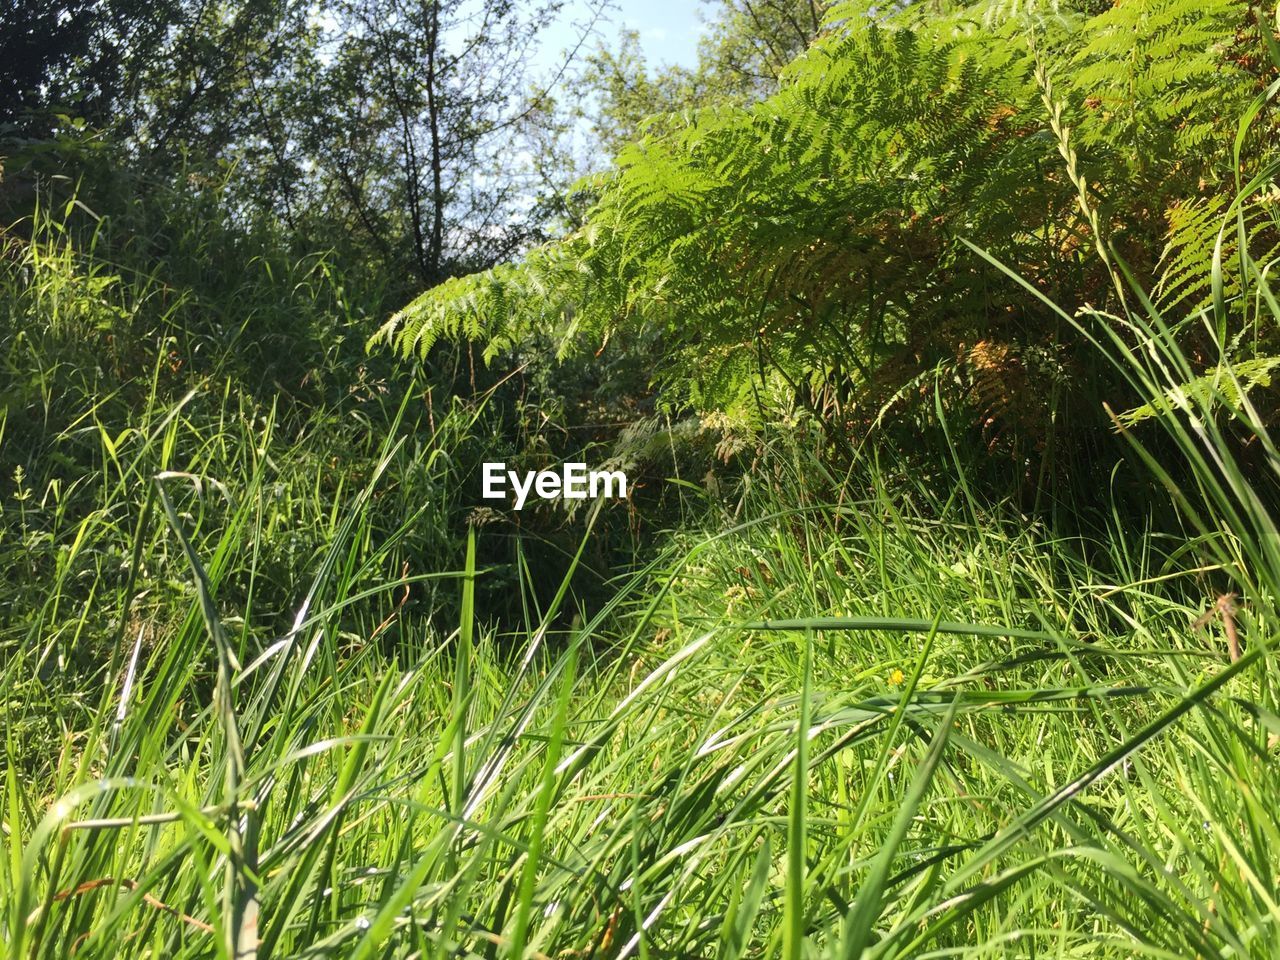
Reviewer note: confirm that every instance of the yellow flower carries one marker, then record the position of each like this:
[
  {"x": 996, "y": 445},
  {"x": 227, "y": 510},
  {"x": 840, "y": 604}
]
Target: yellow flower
[{"x": 896, "y": 677}]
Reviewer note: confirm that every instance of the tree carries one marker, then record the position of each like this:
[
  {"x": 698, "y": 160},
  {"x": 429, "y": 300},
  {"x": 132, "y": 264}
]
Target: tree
[
  {"x": 747, "y": 45},
  {"x": 415, "y": 132},
  {"x": 751, "y": 42},
  {"x": 71, "y": 55},
  {"x": 409, "y": 132}
]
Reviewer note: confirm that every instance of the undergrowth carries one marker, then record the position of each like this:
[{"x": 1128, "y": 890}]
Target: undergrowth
[
  {"x": 274, "y": 687},
  {"x": 902, "y": 723}
]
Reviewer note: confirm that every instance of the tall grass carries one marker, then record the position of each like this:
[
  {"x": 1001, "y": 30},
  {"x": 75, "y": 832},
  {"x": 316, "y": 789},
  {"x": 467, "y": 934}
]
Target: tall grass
[
  {"x": 695, "y": 788},
  {"x": 908, "y": 724}
]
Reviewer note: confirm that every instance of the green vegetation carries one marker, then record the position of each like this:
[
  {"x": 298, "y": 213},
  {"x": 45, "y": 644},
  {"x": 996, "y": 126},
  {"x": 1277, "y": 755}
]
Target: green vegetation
[{"x": 939, "y": 345}]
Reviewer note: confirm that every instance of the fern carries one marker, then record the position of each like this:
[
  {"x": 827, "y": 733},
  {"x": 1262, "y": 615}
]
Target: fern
[
  {"x": 1193, "y": 230},
  {"x": 818, "y": 234},
  {"x": 1157, "y": 79},
  {"x": 500, "y": 306},
  {"x": 1225, "y": 384}
]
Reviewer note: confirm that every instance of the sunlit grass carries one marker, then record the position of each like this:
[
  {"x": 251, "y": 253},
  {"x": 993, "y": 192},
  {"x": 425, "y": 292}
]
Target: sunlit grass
[
  {"x": 1033, "y": 775},
  {"x": 906, "y": 724}
]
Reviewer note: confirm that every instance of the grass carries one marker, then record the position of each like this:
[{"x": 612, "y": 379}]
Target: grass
[
  {"x": 905, "y": 724},
  {"x": 1071, "y": 789}
]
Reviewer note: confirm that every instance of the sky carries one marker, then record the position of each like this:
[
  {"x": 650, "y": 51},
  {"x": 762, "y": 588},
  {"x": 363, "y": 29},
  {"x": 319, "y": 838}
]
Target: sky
[{"x": 669, "y": 30}]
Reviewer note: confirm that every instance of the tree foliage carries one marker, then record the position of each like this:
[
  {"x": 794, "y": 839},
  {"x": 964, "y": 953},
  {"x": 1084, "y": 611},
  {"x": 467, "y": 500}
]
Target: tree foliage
[
  {"x": 71, "y": 56},
  {"x": 746, "y": 47},
  {"x": 404, "y": 131}
]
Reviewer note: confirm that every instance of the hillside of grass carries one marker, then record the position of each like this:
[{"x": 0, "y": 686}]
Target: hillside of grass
[{"x": 937, "y": 621}]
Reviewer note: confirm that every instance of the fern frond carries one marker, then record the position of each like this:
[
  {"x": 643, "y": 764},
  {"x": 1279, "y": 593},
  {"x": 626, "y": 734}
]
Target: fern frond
[{"x": 1225, "y": 384}]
